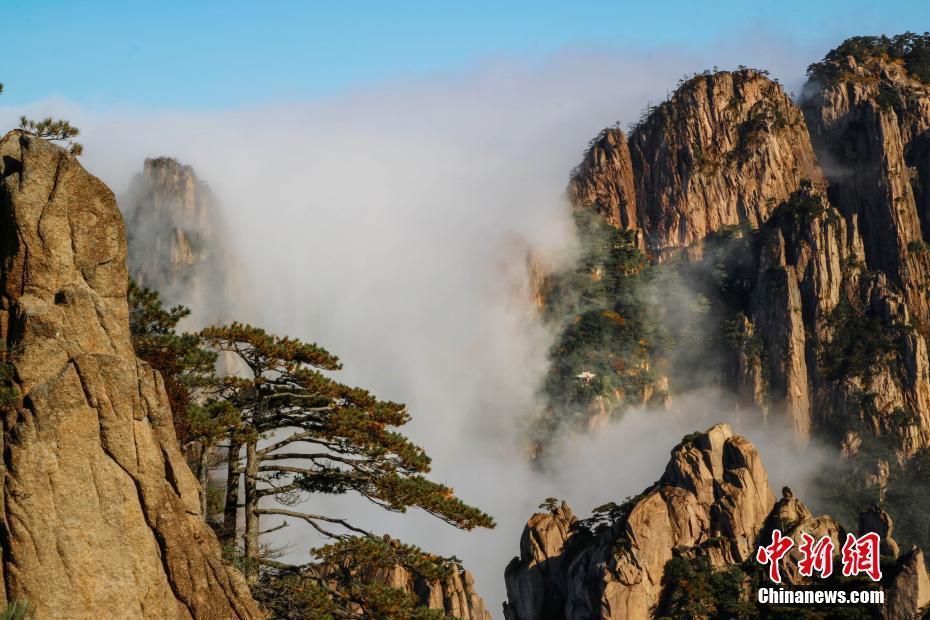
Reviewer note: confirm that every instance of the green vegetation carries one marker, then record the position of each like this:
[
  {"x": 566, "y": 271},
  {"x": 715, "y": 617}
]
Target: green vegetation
[
  {"x": 56, "y": 130},
  {"x": 906, "y": 499},
  {"x": 10, "y": 396},
  {"x": 918, "y": 247},
  {"x": 607, "y": 515},
  {"x": 860, "y": 343},
  {"x": 912, "y": 50},
  {"x": 17, "y": 610},
  {"x": 690, "y": 437},
  {"x": 764, "y": 117},
  {"x": 845, "y": 488},
  {"x": 186, "y": 366},
  {"x": 605, "y": 344},
  {"x": 687, "y": 85},
  {"x": 801, "y": 208},
  {"x": 622, "y": 319},
  {"x": 345, "y": 585},
  {"x": 290, "y": 431},
  {"x": 692, "y": 589}
]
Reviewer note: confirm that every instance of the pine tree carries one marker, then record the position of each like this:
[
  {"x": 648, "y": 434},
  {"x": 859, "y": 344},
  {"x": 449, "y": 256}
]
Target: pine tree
[
  {"x": 292, "y": 431},
  {"x": 300, "y": 432},
  {"x": 56, "y": 130},
  {"x": 49, "y": 128}
]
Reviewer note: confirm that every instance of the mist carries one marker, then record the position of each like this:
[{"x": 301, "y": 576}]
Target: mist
[{"x": 390, "y": 224}]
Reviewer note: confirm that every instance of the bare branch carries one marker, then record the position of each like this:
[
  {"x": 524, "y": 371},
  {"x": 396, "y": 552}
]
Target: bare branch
[{"x": 311, "y": 519}]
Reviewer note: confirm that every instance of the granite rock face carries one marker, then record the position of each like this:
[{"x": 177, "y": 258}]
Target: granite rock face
[
  {"x": 101, "y": 515},
  {"x": 724, "y": 149},
  {"x": 793, "y": 518},
  {"x": 833, "y": 200},
  {"x": 535, "y": 587},
  {"x": 909, "y": 593},
  {"x": 869, "y": 123},
  {"x": 605, "y": 180},
  {"x": 712, "y": 503}
]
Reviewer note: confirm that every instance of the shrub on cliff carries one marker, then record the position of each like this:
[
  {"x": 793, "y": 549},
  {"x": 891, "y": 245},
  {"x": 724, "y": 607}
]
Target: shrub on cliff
[{"x": 913, "y": 50}]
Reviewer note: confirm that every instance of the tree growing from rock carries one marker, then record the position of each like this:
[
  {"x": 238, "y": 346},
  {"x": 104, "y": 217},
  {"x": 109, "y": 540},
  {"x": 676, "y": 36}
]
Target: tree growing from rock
[
  {"x": 301, "y": 432},
  {"x": 201, "y": 418},
  {"x": 291, "y": 431},
  {"x": 56, "y": 130}
]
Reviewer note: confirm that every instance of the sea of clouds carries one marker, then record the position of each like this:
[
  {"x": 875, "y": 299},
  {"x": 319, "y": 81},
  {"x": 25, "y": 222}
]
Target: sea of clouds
[{"x": 391, "y": 224}]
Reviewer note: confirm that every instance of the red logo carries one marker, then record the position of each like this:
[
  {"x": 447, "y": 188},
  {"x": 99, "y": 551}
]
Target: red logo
[
  {"x": 773, "y": 553},
  {"x": 817, "y": 556},
  {"x": 858, "y": 555}
]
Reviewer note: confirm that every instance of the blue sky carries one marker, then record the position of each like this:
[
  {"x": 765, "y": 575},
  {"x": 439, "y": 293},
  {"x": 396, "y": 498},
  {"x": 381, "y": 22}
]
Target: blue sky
[{"x": 210, "y": 54}]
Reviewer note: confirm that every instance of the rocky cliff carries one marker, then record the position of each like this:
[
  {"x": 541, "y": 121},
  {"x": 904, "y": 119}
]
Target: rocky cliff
[
  {"x": 714, "y": 495},
  {"x": 177, "y": 239},
  {"x": 869, "y": 118},
  {"x": 711, "y": 508},
  {"x": 724, "y": 149},
  {"x": 101, "y": 514},
  {"x": 802, "y": 229}
]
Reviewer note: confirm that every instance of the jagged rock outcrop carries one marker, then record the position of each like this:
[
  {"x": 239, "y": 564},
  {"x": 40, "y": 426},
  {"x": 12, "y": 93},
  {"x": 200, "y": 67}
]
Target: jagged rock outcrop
[
  {"x": 878, "y": 521},
  {"x": 830, "y": 253},
  {"x": 100, "y": 513},
  {"x": 819, "y": 278},
  {"x": 802, "y": 251},
  {"x": 792, "y": 518},
  {"x": 454, "y": 595},
  {"x": 605, "y": 180},
  {"x": 713, "y": 504},
  {"x": 713, "y": 498},
  {"x": 534, "y": 581},
  {"x": 177, "y": 238},
  {"x": 725, "y": 149}
]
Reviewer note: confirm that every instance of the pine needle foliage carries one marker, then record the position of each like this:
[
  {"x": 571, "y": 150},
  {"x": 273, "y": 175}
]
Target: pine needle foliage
[{"x": 56, "y": 130}]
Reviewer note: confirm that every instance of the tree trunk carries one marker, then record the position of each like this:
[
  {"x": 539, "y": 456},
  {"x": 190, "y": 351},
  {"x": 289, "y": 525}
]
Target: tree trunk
[
  {"x": 203, "y": 475},
  {"x": 231, "y": 507},
  {"x": 251, "y": 506}
]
